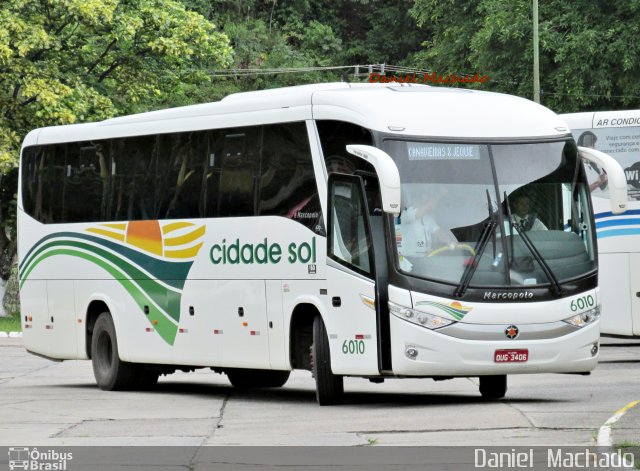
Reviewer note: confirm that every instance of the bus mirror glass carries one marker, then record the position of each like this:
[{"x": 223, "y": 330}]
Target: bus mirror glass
[
  {"x": 388, "y": 175},
  {"x": 615, "y": 176}
]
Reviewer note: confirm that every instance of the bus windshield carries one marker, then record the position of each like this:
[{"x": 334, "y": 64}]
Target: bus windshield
[{"x": 495, "y": 214}]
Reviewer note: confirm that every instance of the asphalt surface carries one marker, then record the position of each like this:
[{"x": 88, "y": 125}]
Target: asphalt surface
[{"x": 55, "y": 404}]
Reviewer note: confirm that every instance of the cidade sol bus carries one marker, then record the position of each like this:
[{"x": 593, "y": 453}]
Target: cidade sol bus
[
  {"x": 616, "y": 133},
  {"x": 367, "y": 230}
]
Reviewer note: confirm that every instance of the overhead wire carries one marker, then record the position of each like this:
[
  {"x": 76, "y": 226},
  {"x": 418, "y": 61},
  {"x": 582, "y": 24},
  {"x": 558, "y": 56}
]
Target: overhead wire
[{"x": 364, "y": 70}]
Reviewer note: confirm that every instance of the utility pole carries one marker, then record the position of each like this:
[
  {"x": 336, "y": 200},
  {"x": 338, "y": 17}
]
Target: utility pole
[{"x": 536, "y": 55}]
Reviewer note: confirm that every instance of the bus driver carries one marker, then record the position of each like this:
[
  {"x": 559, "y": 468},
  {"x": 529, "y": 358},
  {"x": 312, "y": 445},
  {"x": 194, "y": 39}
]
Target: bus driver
[
  {"x": 523, "y": 215},
  {"x": 420, "y": 234}
]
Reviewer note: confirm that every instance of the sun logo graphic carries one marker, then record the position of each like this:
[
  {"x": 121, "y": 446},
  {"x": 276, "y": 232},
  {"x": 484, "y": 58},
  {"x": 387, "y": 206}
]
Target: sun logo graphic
[
  {"x": 176, "y": 240},
  {"x": 455, "y": 309},
  {"x": 151, "y": 261}
]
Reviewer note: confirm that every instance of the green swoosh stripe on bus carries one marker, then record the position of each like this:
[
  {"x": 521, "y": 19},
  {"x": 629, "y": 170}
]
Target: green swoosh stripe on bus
[
  {"x": 168, "y": 299},
  {"x": 457, "y": 314},
  {"x": 160, "y": 320},
  {"x": 172, "y": 273}
]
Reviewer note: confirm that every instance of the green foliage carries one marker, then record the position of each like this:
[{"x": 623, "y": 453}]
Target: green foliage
[
  {"x": 8, "y": 203},
  {"x": 68, "y": 61},
  {"x": 303, "y": 33},
  {"x": 11, "y": 323},
  {"x": 319, "y": 43},
  {"x": 588, "y": 51}
]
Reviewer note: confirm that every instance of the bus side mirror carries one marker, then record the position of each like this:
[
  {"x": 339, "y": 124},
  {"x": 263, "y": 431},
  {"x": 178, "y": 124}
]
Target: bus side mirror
[
  {"x": 615, "y": 176},
  {"x": 388, "y": 175}
]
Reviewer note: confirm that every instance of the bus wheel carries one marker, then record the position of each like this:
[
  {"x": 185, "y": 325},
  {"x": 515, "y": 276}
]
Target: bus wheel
[
  {"x": 329, "y": 387},
  {"x": 493, "y": 387},
  {"x": 111, "y": 373},
  {"x": 246, "y": 378}
]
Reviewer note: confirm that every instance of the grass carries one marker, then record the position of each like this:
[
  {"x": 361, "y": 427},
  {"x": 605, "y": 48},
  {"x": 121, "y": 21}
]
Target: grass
[
  {"x": 627, "y": 444},
  {"x": 10, "y": 323}
]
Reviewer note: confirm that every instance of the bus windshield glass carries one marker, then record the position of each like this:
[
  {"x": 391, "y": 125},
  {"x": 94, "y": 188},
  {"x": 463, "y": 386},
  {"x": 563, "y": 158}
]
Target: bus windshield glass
[{"x": 495, "y": 214}]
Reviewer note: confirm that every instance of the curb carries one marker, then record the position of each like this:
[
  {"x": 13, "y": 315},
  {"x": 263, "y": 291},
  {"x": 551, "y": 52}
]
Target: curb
[
  {"x": 604, "y": 434},
  {"x": 13, "y": 335}
]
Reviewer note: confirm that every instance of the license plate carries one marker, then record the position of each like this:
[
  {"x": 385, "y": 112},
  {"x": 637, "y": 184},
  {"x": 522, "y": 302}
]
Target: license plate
[{"x": 511, "y": 356}]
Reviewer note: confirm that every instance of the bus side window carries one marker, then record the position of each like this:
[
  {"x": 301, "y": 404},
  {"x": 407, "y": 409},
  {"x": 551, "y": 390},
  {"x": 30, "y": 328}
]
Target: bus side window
[
  {"x": 87, "y": 175},
  {"x": 334, "y": 138},
  {"x": 240, "y": 157},
  {"x": 31, "y": 168},
  {"x": 54, "y": 179},
  {"x": 349, "y": 241},
  {"x": 135, "y": 174},
  {"x": 180, "y": 169},
  {"x": 287, "y": 181}
]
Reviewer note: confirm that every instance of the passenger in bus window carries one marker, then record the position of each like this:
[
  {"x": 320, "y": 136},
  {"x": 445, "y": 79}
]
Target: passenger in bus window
[{"x": 524, "y": 216}]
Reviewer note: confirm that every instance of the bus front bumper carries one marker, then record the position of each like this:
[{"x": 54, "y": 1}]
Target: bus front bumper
[{"x": 417, "y": 351}]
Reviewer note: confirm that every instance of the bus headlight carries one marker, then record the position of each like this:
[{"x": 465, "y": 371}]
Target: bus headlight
[
  {"x": 584, "y": 318},
  {"x": 418, "y": 317}
]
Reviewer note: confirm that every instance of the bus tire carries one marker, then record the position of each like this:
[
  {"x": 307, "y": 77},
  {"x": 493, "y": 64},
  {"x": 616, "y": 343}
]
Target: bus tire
[
  {"x": 111, "y": 373},
  {"x": 247, "y": 378},
  {"x": 329, "y": 387},
  {"x": 493, "y": 387}
]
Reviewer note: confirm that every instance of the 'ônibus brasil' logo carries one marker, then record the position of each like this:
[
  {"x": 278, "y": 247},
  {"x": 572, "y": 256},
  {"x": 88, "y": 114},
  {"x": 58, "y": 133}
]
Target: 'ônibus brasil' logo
[{"x": 149, "y": 260}]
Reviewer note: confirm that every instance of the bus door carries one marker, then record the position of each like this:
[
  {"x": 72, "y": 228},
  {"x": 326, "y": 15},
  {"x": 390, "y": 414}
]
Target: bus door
[
  {"x": 356, "y": 275},
  {"x": 34, "y": 310},
  {"x": 61, "y": 325},
  {"x": 241, "y": 314}
]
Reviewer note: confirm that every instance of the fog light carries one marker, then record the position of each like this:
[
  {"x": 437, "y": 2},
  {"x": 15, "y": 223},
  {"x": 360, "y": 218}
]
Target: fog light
[
  {"x": 594, "y": 349},
  {"x": 411, "y": 352}
]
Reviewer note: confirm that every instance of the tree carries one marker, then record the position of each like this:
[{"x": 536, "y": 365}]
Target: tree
[
  {"x": 588, "y": 48},
  {"x": 306, "y": 33},
  {"x": 67, "y": 61},
  {"x": 372, "y": 31}
]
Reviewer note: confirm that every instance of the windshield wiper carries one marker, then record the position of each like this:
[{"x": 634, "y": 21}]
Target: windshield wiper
[
  {"x": 470, "y": 269},
  {"x": 510, "y": 218},
  {"x": 556, "y": 288}
]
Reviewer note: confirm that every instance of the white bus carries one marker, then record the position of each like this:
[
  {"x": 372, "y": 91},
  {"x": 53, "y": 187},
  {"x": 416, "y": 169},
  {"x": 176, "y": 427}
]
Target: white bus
[
  {"x": 351, "y": 230},
  {"x": 616, "y": 133}
]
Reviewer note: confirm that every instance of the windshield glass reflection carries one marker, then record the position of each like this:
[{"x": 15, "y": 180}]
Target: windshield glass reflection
[{"x": 523, "y": 206}]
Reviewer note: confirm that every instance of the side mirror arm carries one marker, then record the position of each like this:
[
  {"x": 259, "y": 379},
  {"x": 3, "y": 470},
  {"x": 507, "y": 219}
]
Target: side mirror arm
[
  {"x": 388, "y": 175},
  {"x": 615, "y": 176}
]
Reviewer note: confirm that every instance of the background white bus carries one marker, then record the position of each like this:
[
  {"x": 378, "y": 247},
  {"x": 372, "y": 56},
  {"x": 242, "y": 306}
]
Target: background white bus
[
  {"x": 616, "y": 133},
  {"x": 352, "y": 230}
]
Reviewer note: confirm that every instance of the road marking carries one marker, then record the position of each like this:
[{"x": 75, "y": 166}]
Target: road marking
[{"x": 604, "y": 434}]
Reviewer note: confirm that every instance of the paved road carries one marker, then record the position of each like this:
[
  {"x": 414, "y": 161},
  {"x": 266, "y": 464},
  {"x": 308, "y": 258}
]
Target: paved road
[{"x": 46, "y": 403}]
